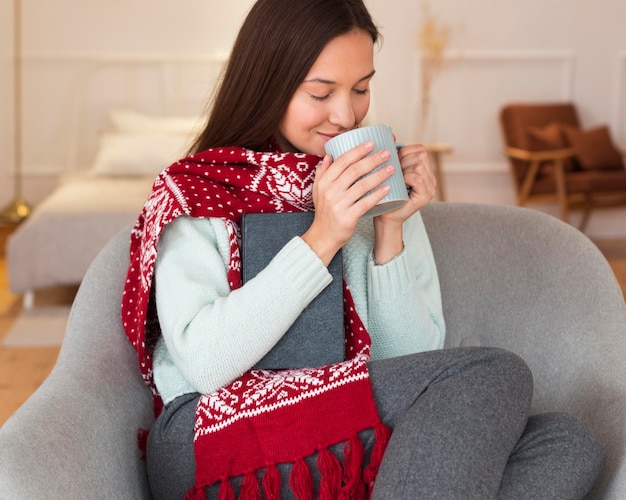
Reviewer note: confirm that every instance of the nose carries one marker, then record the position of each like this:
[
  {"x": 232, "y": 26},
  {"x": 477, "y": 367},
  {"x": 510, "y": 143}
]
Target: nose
[{"x": 343, "y": 113}]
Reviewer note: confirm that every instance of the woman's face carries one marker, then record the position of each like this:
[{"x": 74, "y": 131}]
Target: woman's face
[{"x": 334, "y": 96}]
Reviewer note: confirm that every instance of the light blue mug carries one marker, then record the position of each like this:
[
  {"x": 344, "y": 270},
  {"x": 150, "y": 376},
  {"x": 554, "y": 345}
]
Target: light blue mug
[{"x": 382, "y": 137}]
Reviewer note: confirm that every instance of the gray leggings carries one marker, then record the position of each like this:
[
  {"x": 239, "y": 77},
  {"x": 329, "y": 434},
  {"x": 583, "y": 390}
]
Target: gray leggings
[{"x": 460, "y": 431}]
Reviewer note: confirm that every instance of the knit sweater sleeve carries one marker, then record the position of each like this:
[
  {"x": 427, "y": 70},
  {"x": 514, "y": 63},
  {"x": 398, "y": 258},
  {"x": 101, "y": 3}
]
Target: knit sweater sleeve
[
  {"x": 210, "y": 334},
  {"x": 400, "y": 300}
]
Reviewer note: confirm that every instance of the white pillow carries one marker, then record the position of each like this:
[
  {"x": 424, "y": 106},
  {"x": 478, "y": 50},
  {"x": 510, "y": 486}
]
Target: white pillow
[
  {"x": 133, "y": 122},
  {"x": 137, "y": 154}
]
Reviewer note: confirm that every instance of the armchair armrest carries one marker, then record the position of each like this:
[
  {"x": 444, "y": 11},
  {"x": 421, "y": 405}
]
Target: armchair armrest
[
  {"x": 540, "y": 156},
  {"x": 76, "y": 437}
]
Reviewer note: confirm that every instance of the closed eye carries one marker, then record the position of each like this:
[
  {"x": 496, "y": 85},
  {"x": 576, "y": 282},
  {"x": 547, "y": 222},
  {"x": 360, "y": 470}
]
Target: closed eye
[{"x": 320, "y": 97}]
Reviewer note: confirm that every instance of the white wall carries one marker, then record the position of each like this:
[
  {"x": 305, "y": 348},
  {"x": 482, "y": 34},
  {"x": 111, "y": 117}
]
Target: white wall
[
  {"x": 503, "y": 51},
  {"x": 64, "y": 41},
  {"x": 129, "y": 26},
  {"x": 500, "y": 51}
]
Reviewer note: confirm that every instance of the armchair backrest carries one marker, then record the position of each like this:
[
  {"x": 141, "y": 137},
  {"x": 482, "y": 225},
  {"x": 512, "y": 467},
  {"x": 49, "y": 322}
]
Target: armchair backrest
[{"x": 516, "y": 119}]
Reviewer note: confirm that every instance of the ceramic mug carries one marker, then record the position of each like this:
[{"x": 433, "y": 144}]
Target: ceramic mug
[{"x": 382, "y": 137}]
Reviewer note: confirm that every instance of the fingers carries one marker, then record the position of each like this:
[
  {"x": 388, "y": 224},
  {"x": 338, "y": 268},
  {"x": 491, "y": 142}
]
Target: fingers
[
  {"x": 340, "y": 196},
  {"x": 417, "y": 171},
  {"x": 355, "y": 163},
  {"x": 343, "y": 192},
  {"x": 419, "y": 176},
  {"x": 354, "y": 174}
]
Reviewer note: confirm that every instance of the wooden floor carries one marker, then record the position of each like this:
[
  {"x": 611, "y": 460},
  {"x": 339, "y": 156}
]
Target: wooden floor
[{"x": 22, "y": 370}]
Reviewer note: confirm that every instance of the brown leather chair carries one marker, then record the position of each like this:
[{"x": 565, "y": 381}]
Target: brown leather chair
[{"x": 552, "y": 159}]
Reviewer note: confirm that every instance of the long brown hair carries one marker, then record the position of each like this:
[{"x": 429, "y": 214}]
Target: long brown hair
[{"x": 277, "y": 44}]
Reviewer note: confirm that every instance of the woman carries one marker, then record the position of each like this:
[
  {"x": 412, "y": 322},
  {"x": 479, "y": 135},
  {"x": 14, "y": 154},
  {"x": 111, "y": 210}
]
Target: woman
[{"x": 298, "y": 75}]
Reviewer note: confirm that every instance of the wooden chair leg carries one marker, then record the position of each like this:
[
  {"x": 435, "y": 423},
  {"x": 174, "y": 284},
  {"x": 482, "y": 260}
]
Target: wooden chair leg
[
  {"x": 583, "y": 222},
  {"x": 560, "y": 189},
  {"x": 529, "y": 180},
  {"x": 586, "y": 213}
]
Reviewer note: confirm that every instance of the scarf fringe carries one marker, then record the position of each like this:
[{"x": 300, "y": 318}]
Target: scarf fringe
[
  {"x": 347, "y": 481},
  {"x": 382, "y": 433},
  {"x": 330, "y": 470},
  {"x": 250, "y": 487},
  {"x": 301, "y": 480},
  {"x": 197, "y": 493},
  {"x": 353, "y": 457},
  {"x": 226, "y": 491},
  {"x": 271, "y": 483}
]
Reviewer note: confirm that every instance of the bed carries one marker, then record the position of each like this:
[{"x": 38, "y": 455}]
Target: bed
[{"x": 133, "y": 142}]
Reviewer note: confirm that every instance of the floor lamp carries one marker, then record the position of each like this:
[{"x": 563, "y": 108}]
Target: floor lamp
[{"x": 17, "y": 210}]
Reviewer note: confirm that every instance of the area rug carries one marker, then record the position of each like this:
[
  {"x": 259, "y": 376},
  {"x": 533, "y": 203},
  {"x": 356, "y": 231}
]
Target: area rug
[{"x": 42, "y": 326}]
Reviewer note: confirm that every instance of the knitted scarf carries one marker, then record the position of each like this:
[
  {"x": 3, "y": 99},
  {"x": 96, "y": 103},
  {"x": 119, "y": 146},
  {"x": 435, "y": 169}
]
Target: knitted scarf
[{"x": 264, "y": 417}]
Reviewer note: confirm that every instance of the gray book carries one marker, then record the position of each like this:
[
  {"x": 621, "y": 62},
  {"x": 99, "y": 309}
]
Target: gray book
[{"x": 316, "y": 338}]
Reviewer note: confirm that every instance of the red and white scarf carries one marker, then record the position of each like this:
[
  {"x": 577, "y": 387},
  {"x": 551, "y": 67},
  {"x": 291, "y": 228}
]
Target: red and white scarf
[{"x": 264, "y": 417}]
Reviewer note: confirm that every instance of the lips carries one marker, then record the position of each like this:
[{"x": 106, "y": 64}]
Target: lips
[{"x": 327, "y": 137}]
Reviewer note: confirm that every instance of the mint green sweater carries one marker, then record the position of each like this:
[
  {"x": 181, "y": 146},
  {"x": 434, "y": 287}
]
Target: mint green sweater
[{"x": 212, "y": 335}]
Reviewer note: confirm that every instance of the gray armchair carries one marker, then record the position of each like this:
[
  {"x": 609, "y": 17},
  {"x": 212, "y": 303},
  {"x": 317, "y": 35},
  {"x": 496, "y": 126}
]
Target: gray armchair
[{"x": 510, "y": 277}]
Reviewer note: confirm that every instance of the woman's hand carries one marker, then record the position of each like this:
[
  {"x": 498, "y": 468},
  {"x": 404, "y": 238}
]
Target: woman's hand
[
  {"x": 339, "y": 191},
  {"x": 419, "y": 176}
]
